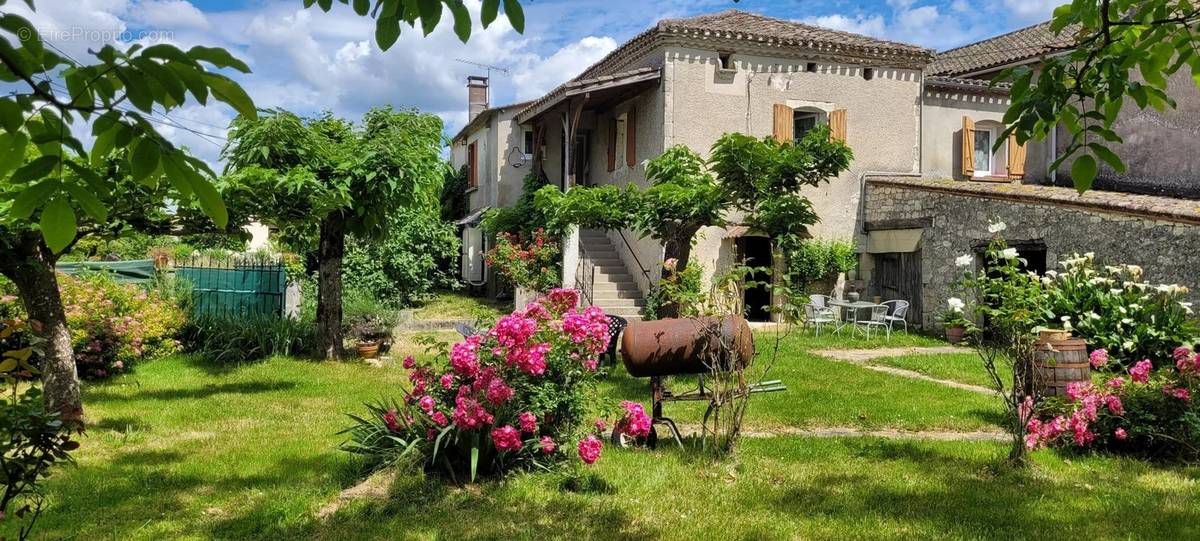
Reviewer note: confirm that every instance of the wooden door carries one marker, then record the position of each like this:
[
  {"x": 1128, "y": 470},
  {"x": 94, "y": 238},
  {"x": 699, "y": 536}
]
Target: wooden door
[{"x": 898, "y": 276}]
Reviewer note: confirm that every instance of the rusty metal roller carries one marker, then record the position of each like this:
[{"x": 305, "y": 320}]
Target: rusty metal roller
[{"x": 669, "y": 347}]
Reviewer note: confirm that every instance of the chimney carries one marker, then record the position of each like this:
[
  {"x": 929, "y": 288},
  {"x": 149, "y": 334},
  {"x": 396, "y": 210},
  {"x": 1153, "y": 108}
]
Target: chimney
[{"x": 477, "y": 95}]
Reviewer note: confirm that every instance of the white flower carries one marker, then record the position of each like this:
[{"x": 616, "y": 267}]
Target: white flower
[
  {"x": 1009, "y": 253},
  {"x": 1127, "y": 345},
  {"x": 1093, "y": 315},
  {"x": 956, "y": 304},
  {"x": 996, "y": 227},
  {"x": 1052, "y": 273},
  {"x": 1090, "y": 256},
  {"x": 964, "y": 260}
]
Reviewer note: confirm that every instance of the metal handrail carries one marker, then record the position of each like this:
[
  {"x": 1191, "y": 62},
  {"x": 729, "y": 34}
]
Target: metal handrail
[{"x": 633, "y": 253}]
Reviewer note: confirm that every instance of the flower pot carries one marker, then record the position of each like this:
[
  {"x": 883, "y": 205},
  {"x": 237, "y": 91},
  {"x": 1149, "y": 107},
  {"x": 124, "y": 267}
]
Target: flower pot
[
  {"x": 1053, "y": 335},
  {"x": 368, "y": 349},
  {"x": 523, "y": 296},
  {"x": 954, "y": 334}
]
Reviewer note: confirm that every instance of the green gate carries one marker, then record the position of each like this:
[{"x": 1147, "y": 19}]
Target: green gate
[{"x": 236, "y": 289}]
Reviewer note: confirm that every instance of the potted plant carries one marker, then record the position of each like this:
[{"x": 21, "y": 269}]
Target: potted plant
[
  {"x": 531, "y": 268},
  {"x": 954, "y": 321},
  {"x": 369, "y": 333}
]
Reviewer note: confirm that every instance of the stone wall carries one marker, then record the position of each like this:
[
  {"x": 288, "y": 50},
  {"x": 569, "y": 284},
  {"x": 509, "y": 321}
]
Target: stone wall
[{"x": 1160, "y": 234}]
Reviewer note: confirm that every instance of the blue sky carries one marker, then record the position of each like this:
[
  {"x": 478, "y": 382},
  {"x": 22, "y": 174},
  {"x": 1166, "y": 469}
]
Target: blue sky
[{"x": 306, "y": 61}]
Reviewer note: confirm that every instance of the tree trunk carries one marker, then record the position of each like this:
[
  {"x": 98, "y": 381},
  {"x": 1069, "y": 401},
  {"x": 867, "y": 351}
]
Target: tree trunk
[
  {"x": 30, "y": 266},
  {"x": 678, "y": 247},
  {"x": 329, "y": 287}
]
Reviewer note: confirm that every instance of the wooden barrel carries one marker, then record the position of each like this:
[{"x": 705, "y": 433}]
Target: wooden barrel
[{"x": 1059, "y": 363}]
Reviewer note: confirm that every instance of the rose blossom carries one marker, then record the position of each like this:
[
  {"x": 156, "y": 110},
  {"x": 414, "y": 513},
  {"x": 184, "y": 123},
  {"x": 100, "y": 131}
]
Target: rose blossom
[
  {"x": 409, "y": 362},
  {"x": 426, "y": 402},
  {"x": 1140, "y": 372},
  {"x": 600, "y": 426},
  {"x": 447, "y": 380},
  {"x": 1120, "y": 434},
  {"x": 636, "y": 423},
  {"x": 440, "y": 418},
  {"x": 498, "y": 392},
  {"x": 391, "y": 420},
  {"x": 589, "y": 449},
  {"x": 1177, "y": 392},
  {"x": 1098, "y": 358},
  {"x": 506, "y": 438},
  {"x": 547, "y": 445},
  {"x": 528, "y": 422}
]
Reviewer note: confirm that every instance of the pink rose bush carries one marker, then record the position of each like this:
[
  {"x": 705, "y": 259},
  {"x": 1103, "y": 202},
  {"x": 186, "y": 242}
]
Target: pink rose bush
[
  {"x": 508, "y": 399},
  {"x": 1150, "y": 411}
]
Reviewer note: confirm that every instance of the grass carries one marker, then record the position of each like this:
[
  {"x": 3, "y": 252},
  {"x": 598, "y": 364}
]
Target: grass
[
  {"x": 182, "y": 450},
  {"x": 454, "y": 305},
  {"x": 960, "y": 367}
]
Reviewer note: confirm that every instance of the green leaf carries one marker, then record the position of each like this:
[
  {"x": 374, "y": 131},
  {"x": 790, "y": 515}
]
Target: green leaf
[
  {"x": 488, "y": 14},
  {"x": 210, "y": 201},
  {"x": 1083, "y": 172},
  {"x": 229, "y": 92},
  {"x": 462, "y": 19},
  {"x": 25, "y": 32},
  {"x": 218, "y": 57},
  {"x": 58, "y": 224},
  {"x": 88, "y": 201},
  {"x": 191, "y": 79},
  {"x": 179, "y": 175},
  {"x": 31, "y": 198},
  {"x": 387, "y": 31},
  {"x": 137, "y": 88},
  {"x": 12, "y": 151},
  {"x": 362, "y": 7},
  {"x": 35, "y": 169},
  {"x": 11, "y": 115},
  {"x": 1108, "y": 156},
  {"x": 431, "y": 13},
  {"x": 474, "y": 456},
  {"x": 166, "y": 51},
  {"x": 144, "y": 159},
  {"x": 515, "y": 14}
]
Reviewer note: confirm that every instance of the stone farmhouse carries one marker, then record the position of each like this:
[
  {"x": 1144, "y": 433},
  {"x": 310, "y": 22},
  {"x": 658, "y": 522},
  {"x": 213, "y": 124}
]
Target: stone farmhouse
[{"x": 921, "y": 190}]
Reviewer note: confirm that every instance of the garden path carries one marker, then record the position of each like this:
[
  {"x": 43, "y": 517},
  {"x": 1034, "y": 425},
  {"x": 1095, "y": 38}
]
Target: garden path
[
  {"x": 851, "y": 432},
  {"x": 863, "y": 358}
]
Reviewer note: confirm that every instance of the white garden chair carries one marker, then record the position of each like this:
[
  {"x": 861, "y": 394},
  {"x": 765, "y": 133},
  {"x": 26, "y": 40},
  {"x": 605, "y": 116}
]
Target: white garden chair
[
  {"x": 815, "y": 316},
  {"x": 876, "y": 320},
  {"x": 897, "y": 310}
]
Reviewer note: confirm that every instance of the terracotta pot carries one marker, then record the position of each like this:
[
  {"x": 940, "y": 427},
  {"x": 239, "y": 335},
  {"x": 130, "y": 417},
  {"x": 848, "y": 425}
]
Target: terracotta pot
[
  {"x": 368, "y": 349},
  {"x": 954, "y": 334}
]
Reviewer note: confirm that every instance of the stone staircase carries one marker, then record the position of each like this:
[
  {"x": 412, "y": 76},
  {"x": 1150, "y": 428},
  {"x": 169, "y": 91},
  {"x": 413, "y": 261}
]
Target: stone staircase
[{"x": 614, "y": 289}]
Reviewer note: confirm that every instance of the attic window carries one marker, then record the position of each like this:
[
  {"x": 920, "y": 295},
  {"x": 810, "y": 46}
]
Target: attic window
[
  {"x": 868, "y": 73},
  {"x": 811, "y": 67},
  {"x": 725, "y": 61}
]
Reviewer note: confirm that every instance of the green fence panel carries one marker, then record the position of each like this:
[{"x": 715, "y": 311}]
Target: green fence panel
[
  {"x": 134, "y": 272},
  {"x": 236, "y": 292}
]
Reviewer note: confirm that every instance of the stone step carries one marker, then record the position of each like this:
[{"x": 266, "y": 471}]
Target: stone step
[
  {"x": 623, "y": 311},
  {"x": 613, "y": 294},
  {"x": 626, "y": 286},
  {"x": 614, "y": 303}
]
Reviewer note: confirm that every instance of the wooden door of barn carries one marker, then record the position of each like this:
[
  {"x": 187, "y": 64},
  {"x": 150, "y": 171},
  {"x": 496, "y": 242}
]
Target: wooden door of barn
[{"x": 898, "y": 276}]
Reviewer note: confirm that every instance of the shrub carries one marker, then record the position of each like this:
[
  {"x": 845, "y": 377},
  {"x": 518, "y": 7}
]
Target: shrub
[
  {"x": 514, "y": 398},
  {"x": 1115, "y": 310},
  {"x": 1148, "y": 412},
  {"x": 532, "y": 266},
  {"x": 683, "y": 289},
  {"x": 812, "y": 260},
  {"x": 416, "y": 258},
  {"x": 240, "y": 340}
]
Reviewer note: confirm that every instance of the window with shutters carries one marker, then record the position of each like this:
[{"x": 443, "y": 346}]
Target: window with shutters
[
  {"x": 472, "y": 166},
  {"x": 805, "y": 119},
  {"x": 527, "y": 145},
  {"x": 619, "y": 143},
  {"x": 982, "y": 158}
]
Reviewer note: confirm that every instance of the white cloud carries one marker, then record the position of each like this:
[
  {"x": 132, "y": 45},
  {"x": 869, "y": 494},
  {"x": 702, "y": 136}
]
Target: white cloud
[
  {"x": 924, "y": 25},
  {"x": 539, "y": 76},
  {"x": 1032, "y": 10},
  {"x": 859, "y": 24},
  {"x": 168, "y": 14}
]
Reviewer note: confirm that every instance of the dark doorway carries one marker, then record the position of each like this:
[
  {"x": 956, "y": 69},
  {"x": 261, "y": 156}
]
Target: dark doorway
[
  {"x": 898, "y": 277},
  {"x": 756, "y": 252}
]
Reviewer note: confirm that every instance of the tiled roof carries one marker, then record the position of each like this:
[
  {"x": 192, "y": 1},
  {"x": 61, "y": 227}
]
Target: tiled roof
[
  {"x": 579, "y": 85},
  {"x": 484, "y": 115},
  {"x": 1018, "y": 45},
  {"x": 958, "y": 83},
  {"x": 742, "y": 25}
]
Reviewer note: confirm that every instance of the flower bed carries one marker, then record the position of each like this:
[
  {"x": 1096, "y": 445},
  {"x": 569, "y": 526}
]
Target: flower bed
[
  {"x": 530, "y": 266},
  {"x": 517, "y": 397}
]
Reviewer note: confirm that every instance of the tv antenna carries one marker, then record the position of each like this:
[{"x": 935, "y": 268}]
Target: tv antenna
[{"x": 489, "y": 68}]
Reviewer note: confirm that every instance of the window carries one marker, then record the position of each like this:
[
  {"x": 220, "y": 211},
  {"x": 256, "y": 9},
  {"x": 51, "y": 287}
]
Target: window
[
  {"x": 803, "y": 122},
  {"x": 725, "y": 61},
  {"x": 868, "y": 74},
  {"x": 619, "y": 147},
  {"x": 528, "y": 144},
  {"x": 472, "y": 167},
  {"x": 983, "y": 152},
  {"x": 811, "y": 67}
]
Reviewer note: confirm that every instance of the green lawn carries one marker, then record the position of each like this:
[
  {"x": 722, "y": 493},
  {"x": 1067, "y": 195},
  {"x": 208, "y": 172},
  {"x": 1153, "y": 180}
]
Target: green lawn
[
  {"x": 961, "y": 367},
  {"x": 453, "y": 305},
  {"x": 178, "y": 450}
]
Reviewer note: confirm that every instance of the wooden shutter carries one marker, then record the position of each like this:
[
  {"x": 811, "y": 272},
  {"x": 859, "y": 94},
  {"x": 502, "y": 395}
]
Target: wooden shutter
[
  {"x": 968, "y": 147},
  {"x": 784, "y": 123},
  {"x": 1016, "y": 158},
  {"x": 837, "y": 125},
  {"x": 612, "y": 145},
  {"x": 631, "y": 137},
  {"x": 472, "y": 167}
]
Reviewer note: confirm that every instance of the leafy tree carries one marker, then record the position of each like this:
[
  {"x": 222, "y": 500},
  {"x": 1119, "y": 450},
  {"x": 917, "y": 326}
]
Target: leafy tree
[
  {"x": 388, "y": 15},
  {"x": 54, "y": 192},
  {"x": 1118, "y": 49},
  {"x": 455, "y": 203},
  {"x": 327, "y": 175}
]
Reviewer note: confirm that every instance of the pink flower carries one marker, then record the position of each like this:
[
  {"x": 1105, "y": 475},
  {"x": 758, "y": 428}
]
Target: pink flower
[
  {"x": 528, "y": 422},
  {"x": 589, "y": 449},
  {"x": 1077, "y": 389},
  {"x": 600, "y": 426},
  {"x": 409, "y": 362},
  {"x": 1115, "y": 383},
  {"x": 498, "y": 392},
  {"x": 469, "y": 414},
  {"x": 1099, "y": 358},
  {"x": 591, "y": 364},
  {"x": 1185, "y": 361},
  {"x": 440, "y": 418},
  {"x": 1120, "y": 434},
  {"x": 1025, "y": 409},
  {"x": 635, "y": 423},
  {"x": 547, "y": 445},
  {"x": 391, "y": 420},
  {"x": 1114, "y": 405},
  {"x": 561, "y": 300},
  {"x": 426, "y": 403},
  {"x": 447, "y": 380},
  {"x": 506, "y": 438},
  {"x": 1177, "y": 392},
  {"x": 532, "y": 361},
  {"x": 464, "y": 356},
  {"x": 1140, "y": 372}
]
